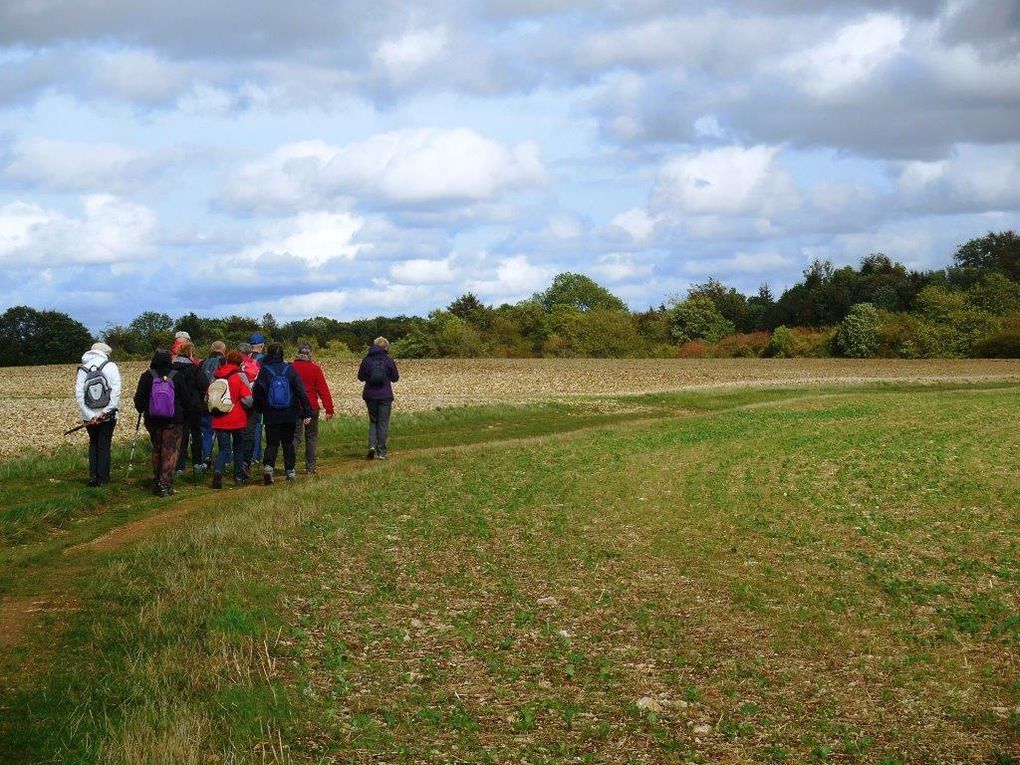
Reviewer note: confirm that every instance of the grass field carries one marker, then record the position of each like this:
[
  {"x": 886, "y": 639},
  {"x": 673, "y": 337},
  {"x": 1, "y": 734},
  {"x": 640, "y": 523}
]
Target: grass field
[
  {"x": 788, "y": 574},
  {"x": 39, "y": 400}
]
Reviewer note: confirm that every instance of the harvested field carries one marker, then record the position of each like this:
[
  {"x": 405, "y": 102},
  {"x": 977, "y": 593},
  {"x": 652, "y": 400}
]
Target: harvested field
[{"x": 39, "y": 400}]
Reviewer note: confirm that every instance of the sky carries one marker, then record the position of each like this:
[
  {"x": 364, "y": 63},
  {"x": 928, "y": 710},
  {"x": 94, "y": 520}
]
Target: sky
[{"x": 352, "y": 159}]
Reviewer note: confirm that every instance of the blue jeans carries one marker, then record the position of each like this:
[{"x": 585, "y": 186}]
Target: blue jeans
[
  {"x": 208, "y": 435},
  {"x": 231, "y": 443}
]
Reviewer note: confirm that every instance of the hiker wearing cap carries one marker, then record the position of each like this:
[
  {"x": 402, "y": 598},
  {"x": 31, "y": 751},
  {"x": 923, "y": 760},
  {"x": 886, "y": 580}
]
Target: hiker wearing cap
[
  {"x": 318, "y": 390},
  {"x": 97, "y": 391},
  {"x": 164, "y": 397},
  {"x": 229, "y": 400},
  {"x": 280, "y": 396},
  {"x": 217, "y": 358},
  {"x": 378, "y": 371},
  {"x": 251, "y": 367},
  {"x": 184, "y": 363}
]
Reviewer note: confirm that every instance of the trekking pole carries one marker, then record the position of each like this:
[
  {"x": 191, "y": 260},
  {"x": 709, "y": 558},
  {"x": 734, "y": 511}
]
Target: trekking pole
[
  {"x": 75, "y": 430},
  {"x": 134, "y": 443}
]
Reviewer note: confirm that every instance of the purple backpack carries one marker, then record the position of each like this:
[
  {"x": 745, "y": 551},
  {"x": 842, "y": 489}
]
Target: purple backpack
[{"x": 162, "y": 397}]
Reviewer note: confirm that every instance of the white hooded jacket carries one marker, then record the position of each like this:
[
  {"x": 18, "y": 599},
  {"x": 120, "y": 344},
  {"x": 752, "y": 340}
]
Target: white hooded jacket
[{"x": 94, "y": 359}]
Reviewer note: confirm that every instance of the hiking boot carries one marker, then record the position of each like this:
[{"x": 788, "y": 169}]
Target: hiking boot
[
  {"x": 381, "y": 456},
  {"x": 200, "y": 467},
  {"x": 267, "y": 476},
  {"x": 94, "y": 482},
  {"x": 164, "y": 491},
  {"x": 291, "y": 475},
  {"x": 217, "y": 481},
  {"x": 371, "y": 453},
  {"x": 179, "y": 473}
]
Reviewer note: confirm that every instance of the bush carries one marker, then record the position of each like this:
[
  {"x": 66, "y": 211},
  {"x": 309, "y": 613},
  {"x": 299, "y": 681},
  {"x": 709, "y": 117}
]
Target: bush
[
  {"x": 1005, "y": 345},
  {"x": 857, "y": 336},
  {"x": 897, "y": 336},
  {"x": 697, "y": 318},
  {"x": 745, "y": 346},
  {"x": 800, "y": 342},
  {"x": 695, "y": 349}
]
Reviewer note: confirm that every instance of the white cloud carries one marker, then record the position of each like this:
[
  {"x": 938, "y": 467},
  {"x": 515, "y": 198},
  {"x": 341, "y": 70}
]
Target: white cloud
[
  {"x": 76, "y": 166},
  {"x": 403, "y": 168},
  {"x": 403, "y": 58},
  {"x": 424, "y": 271},
  {"x": 730, "y": 180},
  {"x": 856, "y": 53},
  {"x": 109, "y": 231},
  {"x": 974, "y": 178},
  {"x": 636, "y": 223},
  {"x": 514, "y": 278},
  {"x": 617, "y": 267},
  {"x": 742, "y": 262},
  {"x": 314, "y": 237}
]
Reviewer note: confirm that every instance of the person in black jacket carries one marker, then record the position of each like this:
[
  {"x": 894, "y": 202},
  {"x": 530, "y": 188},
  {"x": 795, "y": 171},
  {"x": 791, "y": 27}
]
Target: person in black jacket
[
  {"x": 280, "y": 396},
  {"x": 185, "y": 364},
  {"x": 165, "y": 412}
]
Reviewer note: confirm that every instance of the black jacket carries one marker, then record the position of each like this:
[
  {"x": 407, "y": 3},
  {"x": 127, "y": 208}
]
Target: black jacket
[{"x": 187, "y": 398}]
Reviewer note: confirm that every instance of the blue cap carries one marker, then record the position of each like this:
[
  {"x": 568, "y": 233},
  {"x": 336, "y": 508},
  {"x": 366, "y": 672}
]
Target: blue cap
[{"x": 257, "y": 339}]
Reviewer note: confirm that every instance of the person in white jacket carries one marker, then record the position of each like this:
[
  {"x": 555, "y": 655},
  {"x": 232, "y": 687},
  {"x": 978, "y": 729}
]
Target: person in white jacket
[{"x": 97, "y": 391}]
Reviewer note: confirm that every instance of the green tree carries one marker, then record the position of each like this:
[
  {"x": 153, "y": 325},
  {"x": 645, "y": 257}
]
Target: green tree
[
  {"x": 602, "y": 333},
  {"x": 857, "y": 336},
  {"x": 153, "y": 330},
  {"x": 580, "y": 292},
  {"x": 992, "y": 252},
  {"x": 697, "y": 318},
  {"x": 28, "y": 336},
  {"x": 732, "y": 305}
]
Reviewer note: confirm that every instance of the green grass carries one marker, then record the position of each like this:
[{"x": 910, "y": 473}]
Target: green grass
[{"x": 829, "y": 577}]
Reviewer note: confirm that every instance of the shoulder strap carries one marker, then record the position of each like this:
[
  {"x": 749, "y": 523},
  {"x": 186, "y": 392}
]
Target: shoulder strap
[
  {"x": 171, "y": 375},
  {"x": 100, "y": 367}
]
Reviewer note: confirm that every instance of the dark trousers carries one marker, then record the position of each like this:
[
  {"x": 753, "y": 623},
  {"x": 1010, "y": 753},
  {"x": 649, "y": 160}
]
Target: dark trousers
[
  {"x": 166, "y": 440},
  {"x": 100, "y": 446},
  {"x": 253, "y": 437},
  {"x": 378, "y": 424},
  {"x": 208, "y": 436},
  {"x": 191, "y": 430},
  {"x": 311, "y": 434},
  {"x": 283, "y": 433},
  {"x": 231, "y": 442}
]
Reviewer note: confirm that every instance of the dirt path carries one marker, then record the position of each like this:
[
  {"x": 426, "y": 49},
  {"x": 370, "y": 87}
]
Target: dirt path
[{"x": 18, "y": 614}]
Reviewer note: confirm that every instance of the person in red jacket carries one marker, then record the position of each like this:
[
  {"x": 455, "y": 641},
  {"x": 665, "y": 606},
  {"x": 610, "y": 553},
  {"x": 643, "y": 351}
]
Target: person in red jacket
[
  {"x": 230, "y": 426},
  {"x": 317, "y": 389}
]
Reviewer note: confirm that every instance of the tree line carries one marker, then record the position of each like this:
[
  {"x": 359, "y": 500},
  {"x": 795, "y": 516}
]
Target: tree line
[{"x": 878, "y": 308}]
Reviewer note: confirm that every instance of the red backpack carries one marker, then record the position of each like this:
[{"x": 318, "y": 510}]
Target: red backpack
[{"x": 251, "y": 368}]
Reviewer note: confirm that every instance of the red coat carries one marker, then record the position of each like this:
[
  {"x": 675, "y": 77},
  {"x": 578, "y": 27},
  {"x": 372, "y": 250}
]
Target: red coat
[
  {"x": 237, "y": 417},
  {"x": 315, "y": 384}
]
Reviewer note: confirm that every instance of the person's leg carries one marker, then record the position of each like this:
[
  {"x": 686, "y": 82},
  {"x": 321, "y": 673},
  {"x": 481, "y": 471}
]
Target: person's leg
[
  {"x": 311, "y": 442},
  {"x": 105, "y": 451},
  {"x": 196, "y": 441},
  {"x": 272, "y": 446},
  {"x": 223, "y": 439},
  {"x": 93, "y": 431},
  {"x": 373, "y": 418},
  {"x": 182, "y": 448},
  {"x": 249, "y": 441},
  {"x": 240, "y": 473},
  {"x": 171, "y": 447},
  {"x": 156, "y": 438},
  {"x": 207, "y": 437},
  {"x": 289, "y": 452},
  {"x": 382, "y": 428},
  {"x": 257, "y": 454}
]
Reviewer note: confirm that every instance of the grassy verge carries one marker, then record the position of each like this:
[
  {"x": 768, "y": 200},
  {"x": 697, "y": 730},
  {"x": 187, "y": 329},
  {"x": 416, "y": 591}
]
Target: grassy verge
[{"x": 689, "y": 578}]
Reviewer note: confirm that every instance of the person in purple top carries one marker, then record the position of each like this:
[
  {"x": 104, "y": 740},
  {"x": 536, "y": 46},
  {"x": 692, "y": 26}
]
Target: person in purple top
[{"x": 378, "y": 371}]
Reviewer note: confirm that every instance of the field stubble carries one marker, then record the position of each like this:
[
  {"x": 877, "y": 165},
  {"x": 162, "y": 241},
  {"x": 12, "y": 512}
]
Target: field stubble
[{"x": 39, "y": 401}]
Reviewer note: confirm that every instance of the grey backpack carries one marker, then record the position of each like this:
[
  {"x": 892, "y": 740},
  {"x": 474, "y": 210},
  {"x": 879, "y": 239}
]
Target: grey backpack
[{"x": 97, "y": 387}]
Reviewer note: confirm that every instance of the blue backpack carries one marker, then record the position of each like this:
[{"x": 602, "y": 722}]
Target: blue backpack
[{"x": 279, "y": 395}]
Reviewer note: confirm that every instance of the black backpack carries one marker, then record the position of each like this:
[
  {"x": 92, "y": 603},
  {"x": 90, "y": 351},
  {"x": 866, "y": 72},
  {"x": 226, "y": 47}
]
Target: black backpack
[{"x": 378, "y": 375}]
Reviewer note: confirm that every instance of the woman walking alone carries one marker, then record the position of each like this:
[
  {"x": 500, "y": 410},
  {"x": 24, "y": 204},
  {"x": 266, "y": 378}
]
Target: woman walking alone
[{"x": 378, "y": 371}]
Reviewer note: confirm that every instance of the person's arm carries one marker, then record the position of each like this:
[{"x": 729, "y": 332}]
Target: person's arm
[
  {"x": 142, "y": 394},
  {"x": 258, "y": 391},
  {"x": 243, "y": 392},
  {"x": 394, "y": 373},
  {"x": 79, "y": 395},
  {"x": 113, "y": 376},
  {"x": 324, "y": 394},
  {"x": 363, "y": 370},
  {"x": 299, "y": 388}
]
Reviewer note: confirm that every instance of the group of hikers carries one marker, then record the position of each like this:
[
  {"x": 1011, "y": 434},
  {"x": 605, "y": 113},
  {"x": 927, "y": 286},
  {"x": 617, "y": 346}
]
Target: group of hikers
[{"x": 227, "y": 399}]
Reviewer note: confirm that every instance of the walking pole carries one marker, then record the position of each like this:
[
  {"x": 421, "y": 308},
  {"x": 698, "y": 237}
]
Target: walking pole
[{"x": 131, "y": 459}]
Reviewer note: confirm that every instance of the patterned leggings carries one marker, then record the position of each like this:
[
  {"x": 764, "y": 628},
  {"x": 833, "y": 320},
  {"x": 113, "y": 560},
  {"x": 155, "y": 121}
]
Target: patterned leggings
[{"x": 166, "y": 441}]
